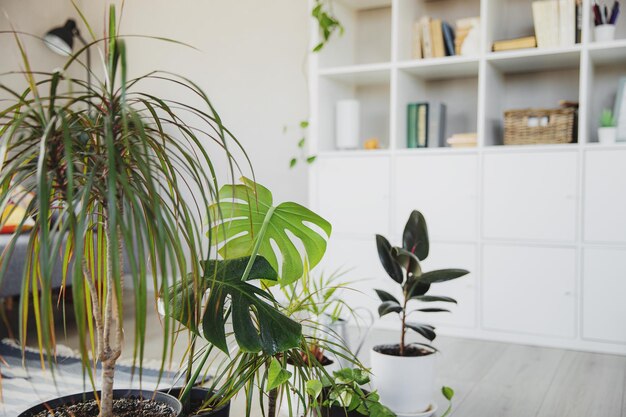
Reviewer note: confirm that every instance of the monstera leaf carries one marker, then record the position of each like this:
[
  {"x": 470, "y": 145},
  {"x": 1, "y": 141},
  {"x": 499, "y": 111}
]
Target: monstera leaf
[
  {"x": 247, "y": 222},
  {"x": 257, "y": 324}
]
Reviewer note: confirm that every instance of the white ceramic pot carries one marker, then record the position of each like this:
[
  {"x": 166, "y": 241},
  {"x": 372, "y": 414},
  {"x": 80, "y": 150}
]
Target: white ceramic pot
[
  {"x": 605, "y": 33},
  {"x": 406, "y": 384},
  {"x": 347, "y": 122},
  {"x": 607, "y": 135}
]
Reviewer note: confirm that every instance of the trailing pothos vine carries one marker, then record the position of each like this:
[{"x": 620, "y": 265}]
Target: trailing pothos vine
[{"x": 328, "y": 24}]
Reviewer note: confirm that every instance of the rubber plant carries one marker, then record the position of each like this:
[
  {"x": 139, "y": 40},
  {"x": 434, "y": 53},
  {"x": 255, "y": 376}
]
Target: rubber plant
[
  {"x": 402, "y": 264},
  {"x": 110, "y": 167},
  {"x": 245, "y": 224}
]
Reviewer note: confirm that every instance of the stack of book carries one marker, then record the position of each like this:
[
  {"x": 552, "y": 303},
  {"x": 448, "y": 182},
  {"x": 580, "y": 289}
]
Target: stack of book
[
  {"x": 426, "y": 125},
  {"x": 558, "y": 23},
  {"x": 462, "y": 140},
  {"x": 432, "y": 38}
]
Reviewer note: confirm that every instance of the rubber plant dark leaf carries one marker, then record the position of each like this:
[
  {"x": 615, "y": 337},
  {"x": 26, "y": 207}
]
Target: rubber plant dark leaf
[
  {"x": 415, "y": 287},
  {"x": 433, "y": 310},
  {"x": 415, "y": 236},
  {"x": 407, "y": 260},
  {"x": 389, "y": 307},
  {"x": 385, "y": 296},
  {"x": 257, "y": 324},
  {"x": 433, "y": 298},
  {"x": 392, "y": 267},
  {"x": 424, "y": 329},
  {"x": 442, "y": 275}
]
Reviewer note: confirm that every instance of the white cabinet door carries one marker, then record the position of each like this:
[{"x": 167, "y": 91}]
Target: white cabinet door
[
  {"x": 463, "y": 289},
  {"x": 529, "y": 290},
  {"x": 443, "y": 188},
  {"x": 353, "y": 194},
  {"x": 357, "y": 262},
  {"x": 530, "y": 196},
  {"x": 604, "y": 289},
  {"x": 605, "y": 196}
]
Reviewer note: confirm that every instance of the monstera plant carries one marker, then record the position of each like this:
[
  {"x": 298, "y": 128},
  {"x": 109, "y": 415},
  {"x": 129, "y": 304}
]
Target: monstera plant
[{"x": 245, "y": 222}]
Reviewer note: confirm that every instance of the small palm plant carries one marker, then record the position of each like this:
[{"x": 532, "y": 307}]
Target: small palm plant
[
  {"x": 112, "y": 169},
  {"x": 402, "y": 264}
]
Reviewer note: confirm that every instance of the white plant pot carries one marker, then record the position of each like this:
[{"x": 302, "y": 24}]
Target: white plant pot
[
  {"x": 406, "y": 384},
  {"x": 607, "y": 135},
  {"x": 604, "y": 33}
]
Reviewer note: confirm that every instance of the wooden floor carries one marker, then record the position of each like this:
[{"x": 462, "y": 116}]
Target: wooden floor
[{"x": 500, "y": 379}]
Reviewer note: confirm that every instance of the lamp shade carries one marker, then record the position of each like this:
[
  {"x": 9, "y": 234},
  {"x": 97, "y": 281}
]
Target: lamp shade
[{"x": 61, "y": 39}]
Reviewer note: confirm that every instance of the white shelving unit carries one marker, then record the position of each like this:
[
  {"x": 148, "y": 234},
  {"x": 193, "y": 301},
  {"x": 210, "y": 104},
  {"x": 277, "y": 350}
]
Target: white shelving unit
[{"x": 542, "y": 228}]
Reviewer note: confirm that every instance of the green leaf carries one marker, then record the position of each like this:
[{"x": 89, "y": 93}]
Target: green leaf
[
  {"x": 250, "y": 219},
  {"x": 425, "y": 330},
  {"x": 407, "y": 260},
  {"x": 257, "y": 324},
  {"x": 389, "y": 307},
  {"x": 442, "y": 275},
  {"x": 433, "y": 298},
  {"x": 314, "y": 388},
  {"x": 392, "y": 267},
  {"x": 293, "y": 162},
  {"x": 415, "y": 236},
  {"x": 276, "y": 375},
  {"x": 385, "y": 296},
  {"x": 301, "y": 143},
  {"x": 415, "y": 287},
  {"x": 433, "y": 310},
  {"x": 304, "y": 124},
  {"x": 311, "y": 159},
  {"x": 447, "y": 392}
]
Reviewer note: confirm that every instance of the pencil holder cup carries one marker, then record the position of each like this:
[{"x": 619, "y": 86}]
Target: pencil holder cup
[{"x": 605, "y": 33}]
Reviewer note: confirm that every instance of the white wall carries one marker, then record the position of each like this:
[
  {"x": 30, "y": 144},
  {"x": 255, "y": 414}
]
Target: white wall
[{"x": 250, "y": 62}]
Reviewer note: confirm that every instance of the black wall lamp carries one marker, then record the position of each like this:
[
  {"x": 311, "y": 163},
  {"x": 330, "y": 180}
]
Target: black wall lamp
[{"x": 61, "y": 41}]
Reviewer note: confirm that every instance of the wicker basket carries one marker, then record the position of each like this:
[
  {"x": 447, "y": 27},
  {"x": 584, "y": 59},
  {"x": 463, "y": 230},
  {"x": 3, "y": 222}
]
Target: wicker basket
[{"x": 540, "y": 126}]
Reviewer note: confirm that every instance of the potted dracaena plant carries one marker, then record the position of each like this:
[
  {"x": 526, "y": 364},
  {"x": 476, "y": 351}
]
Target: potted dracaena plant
[
  {"x": 411, "y": 363},
  {"x": 104, "y": 164}
]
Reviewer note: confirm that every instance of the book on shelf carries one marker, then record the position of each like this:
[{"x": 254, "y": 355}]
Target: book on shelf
[
  {"x": 432, "y": 38},
  {"x": 512, "y": 44},
  {"x": 416, "y": 47},
  {"x": 427, "y": 48},
  {"x": 558, "y": 23},
  {"x": 436, "y": 124},
  {"x": 463, "y": 140},
  {"x": 448, "y": 38},
  {"x": 467, "y": 40},
  {"x": 417, "y": 125},
  {"x": 426, "y": 124},
  {"x": 436, "y": 36}
]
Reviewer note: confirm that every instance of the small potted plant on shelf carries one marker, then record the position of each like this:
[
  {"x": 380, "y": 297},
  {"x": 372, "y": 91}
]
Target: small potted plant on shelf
[
  {"x": 404, "y": 373},
  {"x": 102, "y": 163},
  {"x": 607, "y": 132}
]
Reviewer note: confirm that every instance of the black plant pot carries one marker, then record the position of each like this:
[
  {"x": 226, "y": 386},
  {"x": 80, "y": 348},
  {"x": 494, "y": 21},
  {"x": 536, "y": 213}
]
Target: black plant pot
[
  {"x": 157, "y": 396},
  {"x": 197, "y": 396},
  {"x": 336, "y": 411}
]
